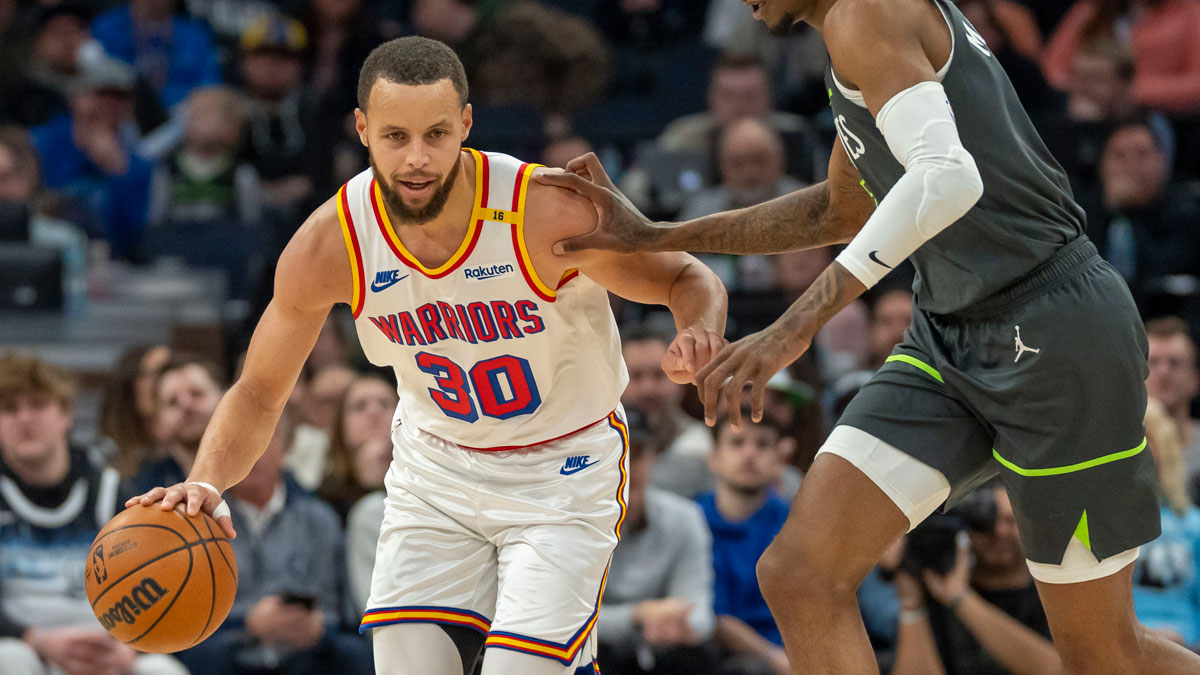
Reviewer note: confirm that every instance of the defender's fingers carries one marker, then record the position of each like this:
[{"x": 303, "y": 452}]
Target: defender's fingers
[
  {"x": 596, "y": 169},
  {"x": 572, "y": 181},
  {"x": 583, "y": 242},
  {"x": 733, "y": 395},
  {"x": 579, "y": 164},
  {"x": 758, "y": 390},
  {"x": 710, "y": 388}
]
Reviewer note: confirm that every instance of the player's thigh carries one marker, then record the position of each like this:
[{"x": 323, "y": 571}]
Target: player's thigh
[
  {"x": 431, "y": 563},
  {"x": 901, "y": 449},
  {"x": 421, "y": 649},
  {"x": 562, "y": 511},
  {"x": 1091, "y": 618},
  {"x": 1069, "y": 418}
]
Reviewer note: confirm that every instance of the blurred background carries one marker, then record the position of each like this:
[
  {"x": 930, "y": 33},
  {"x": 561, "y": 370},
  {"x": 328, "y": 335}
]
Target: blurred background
[{"x": 156, "y": 156}]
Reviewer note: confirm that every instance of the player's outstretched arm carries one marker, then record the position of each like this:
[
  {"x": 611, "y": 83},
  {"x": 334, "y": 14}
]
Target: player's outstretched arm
[
  {"x": 829, "y": 212},
  {"x": 313, "y": 273},
  {"x": 692, "y": 292}
]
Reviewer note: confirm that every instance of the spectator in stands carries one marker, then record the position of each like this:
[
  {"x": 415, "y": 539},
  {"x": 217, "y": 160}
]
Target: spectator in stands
[
  {"x": 751, "y": 163},
  {"x": 21, "y": 188},
  {"x": 1160, "y": 35},
  {"x": 360, "y": 443},
  {"x": 650, "y": 24},
  {"x": 187, "y": 391},
  {"x": 740, "y": 88},
  {"x": 127, "y": 408},
  {"x": 987, "y": 600},
  {"x": 287, "y": 616},
  {"x": 657, "y": 614},
  {"x": 204, "y": 181},
  {"x": 88, "y": 155},
  {"x": 540, "y": 57},
  {"x": 171, "y": 52},
  {"x": 1175, "y": 382},
  {"x": 558, "y": 153},
  {"x": 54, "y": 500},
  {"x": 290, "y": 143},
  {"x": 308, "y": 457},
  {"x": 43, "y": 85},
  {"x": 891, "y": 315},
  {"x": 341, "y": 33},
  {"x": 1166, "y": 579},
  {"x": 744, "y": 515},
  {"x": 682, "y": 465},
  {"x": 1147, "y": 228}
]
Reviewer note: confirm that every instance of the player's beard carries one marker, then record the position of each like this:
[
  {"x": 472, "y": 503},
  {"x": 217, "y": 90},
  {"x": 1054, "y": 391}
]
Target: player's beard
[
  {"x": 402, "y": 212},
  {"x": 784, "y": 26}
]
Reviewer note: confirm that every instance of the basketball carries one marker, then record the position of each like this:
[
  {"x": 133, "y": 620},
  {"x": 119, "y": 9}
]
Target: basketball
[{"x": 160, "y": 581}]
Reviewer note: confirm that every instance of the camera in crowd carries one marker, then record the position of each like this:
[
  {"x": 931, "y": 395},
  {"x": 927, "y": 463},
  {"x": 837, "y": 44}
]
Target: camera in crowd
[{"x": 933, "y": 545}]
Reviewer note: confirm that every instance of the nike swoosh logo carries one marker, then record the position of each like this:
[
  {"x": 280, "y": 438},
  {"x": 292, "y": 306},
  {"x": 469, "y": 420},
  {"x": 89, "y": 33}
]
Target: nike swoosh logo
[
  {"x": 567, "y": 472},
  {"x": 375, "y": 287},
  {"x": 874, "y": 258}
]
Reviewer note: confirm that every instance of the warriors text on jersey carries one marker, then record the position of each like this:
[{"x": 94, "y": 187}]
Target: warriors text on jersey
[
  {"x": 487, "y": 355},
  {"x": 1026, "y": 212}
]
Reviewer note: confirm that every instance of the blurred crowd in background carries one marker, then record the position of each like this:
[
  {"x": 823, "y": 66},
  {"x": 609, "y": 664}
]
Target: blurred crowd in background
[{"x": 156, "y": 156}]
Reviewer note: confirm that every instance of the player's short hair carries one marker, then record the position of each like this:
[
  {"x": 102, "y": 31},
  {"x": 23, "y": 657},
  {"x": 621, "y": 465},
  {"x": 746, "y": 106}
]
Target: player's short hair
[
  {"x": 22, "y": 375},
  {"x": 767, "y": 421},
  {"x": 411, "y": 60},
  {"x": 1167, "y": 327},
  {"x": 186, "y": 360}
]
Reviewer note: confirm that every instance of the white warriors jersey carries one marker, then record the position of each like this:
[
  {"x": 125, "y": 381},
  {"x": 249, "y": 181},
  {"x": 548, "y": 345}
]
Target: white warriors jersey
[{"x": 488, "y": 356}]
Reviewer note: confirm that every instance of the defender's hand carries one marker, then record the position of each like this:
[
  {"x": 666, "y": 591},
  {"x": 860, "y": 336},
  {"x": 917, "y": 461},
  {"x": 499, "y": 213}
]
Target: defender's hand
[
  {"x": 690, "y": 351},
  {"x": 195, "y": 497},
  {"x": 750, "y": 361},
  {"x": 620, "y": 226}
]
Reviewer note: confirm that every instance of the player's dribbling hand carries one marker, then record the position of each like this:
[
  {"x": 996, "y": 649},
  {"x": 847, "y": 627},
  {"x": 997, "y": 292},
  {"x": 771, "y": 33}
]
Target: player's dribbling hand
[
  {"x": 749, "y": 362},
  {"x": 195, "y": 497},
  {"x": 690, "y": 351},
  {"x": 620, "y": 226}
]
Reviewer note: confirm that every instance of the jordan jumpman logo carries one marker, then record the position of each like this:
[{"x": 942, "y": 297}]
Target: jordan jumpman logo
[{"x": 1020, "y": 346}]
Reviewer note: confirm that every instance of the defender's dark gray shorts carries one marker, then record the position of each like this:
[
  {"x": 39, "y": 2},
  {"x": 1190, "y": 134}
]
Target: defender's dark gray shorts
[{"x": 1043, "y": 382}]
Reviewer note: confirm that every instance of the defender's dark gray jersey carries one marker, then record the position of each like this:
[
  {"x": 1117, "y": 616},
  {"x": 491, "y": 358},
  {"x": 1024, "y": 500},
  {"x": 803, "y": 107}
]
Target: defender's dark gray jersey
[{"x": 1026, "y": 212}]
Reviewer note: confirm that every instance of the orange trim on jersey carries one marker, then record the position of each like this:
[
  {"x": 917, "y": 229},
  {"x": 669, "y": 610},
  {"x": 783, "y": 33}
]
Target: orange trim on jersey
[
  {"x": 520, "y": 190},
  {"x": 565, "y": 652},
  {"x": 469, "y": 241},
  {"x": 500, "y": 448},
  {"x": 358, "y": 297},
  {"x": 567, "y": 276},
  {"x": 376, "y": 618}
]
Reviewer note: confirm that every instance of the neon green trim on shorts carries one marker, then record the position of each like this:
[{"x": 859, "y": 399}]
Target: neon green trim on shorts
[
  {"x": 1071, "y": 468},
  {"x": 912, "y": 361},
  {"x": 1081, "y": 532}
]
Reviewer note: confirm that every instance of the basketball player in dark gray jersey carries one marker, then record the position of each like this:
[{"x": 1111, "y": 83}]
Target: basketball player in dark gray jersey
[{"x": 1026, "y": 356}]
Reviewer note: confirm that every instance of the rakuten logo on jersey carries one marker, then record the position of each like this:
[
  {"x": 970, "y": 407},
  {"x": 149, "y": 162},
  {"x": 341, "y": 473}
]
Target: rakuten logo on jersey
[{"x": 485, "y": 272}]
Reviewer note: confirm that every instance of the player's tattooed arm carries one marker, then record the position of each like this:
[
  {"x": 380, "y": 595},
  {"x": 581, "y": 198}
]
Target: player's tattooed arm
[
  {"x": 751, "y": 361},
  {"x": 830, "y": 212}
]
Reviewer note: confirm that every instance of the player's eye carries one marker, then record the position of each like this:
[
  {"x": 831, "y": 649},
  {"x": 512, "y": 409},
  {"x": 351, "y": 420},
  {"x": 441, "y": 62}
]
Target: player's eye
[{"x": 437, "y": 133}]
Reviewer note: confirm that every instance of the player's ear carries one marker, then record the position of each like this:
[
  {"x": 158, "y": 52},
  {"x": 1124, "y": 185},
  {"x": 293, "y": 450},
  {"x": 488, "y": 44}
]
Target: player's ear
[
  {"x": 360, "y": 125},
  {"x": 467, "y": 121}
]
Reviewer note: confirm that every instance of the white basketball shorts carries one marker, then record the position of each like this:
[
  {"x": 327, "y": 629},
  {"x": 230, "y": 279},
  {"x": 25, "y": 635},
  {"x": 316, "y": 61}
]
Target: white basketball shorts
[{"x": 514, "y": 544}]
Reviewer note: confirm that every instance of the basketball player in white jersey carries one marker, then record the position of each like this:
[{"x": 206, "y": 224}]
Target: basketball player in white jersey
[{"x": 506, "y": 490}]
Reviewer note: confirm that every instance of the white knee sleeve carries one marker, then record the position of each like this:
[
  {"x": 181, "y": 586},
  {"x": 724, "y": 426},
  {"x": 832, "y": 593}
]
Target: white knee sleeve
[
  {"x": 1078, "y": 565},
  {"x": 913, "y": 486}
]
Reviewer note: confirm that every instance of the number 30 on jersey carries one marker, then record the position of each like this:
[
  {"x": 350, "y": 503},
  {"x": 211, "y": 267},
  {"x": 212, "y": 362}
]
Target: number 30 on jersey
[{"x": 503, "y": 387}]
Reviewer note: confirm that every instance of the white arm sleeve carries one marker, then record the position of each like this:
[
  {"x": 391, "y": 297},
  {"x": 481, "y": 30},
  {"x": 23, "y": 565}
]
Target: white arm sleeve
[{"x": 939, "y": 185}]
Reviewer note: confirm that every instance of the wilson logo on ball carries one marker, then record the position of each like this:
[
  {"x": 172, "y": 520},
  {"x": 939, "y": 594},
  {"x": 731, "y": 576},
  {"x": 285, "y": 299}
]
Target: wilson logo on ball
[{"x": 141, "y": 598}]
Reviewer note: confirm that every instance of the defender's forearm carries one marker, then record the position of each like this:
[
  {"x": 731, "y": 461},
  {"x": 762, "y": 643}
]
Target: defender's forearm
[
  {"x": 828, "y": 295},
  {"x": 798, "y": 220}
]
